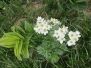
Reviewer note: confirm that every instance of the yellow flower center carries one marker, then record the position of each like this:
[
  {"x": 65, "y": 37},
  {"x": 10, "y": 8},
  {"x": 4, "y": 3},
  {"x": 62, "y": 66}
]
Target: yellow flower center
[
  {"x": 57, "y": 33},
  {"x": 72, "y": 35},
  {"x": 4, "y": 8},
  {"x": 37, "y": 26},
  {"x": 44, "y": 22},
  {"x": 62, "y": 38},
  {"x": 46, "y": 26},
  {"x": 76, "y": 34},
  {"x": 61, "y": 30},
  {"x": 75, "y": 39},
  {"x": 44, "y": 30},
  {"x": 70, "y": 41},
  {"x": 42, "y": 25}
]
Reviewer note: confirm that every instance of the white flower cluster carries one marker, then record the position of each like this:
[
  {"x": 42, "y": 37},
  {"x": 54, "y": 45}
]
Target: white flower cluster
[
  {"x": 74, "y": 36},
  {"x": 42, "y": 26},
  {"x": 55, "y": 21},
  {"x": 60, "y": 34}
]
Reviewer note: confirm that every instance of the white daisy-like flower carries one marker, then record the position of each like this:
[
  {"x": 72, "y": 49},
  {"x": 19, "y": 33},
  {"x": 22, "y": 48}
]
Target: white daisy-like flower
[
  {"x": 55, "y": 21},
  {"x": 48, "y": 21},
  {"x": 52, "y": 19},
  {"x": 74, "y": 35},
  {"x": 71, "y": 42},
  {"x": 40, "y": 19},
  {"x": 61, "y": 35},
  {"x": 56, "y": 34},
  {"x": 42, "y": 24},
  {"x": 61, "y": 39},
  {"x": 61, "y": 30},
  {"x": 44, "y": 31},
  {"x": 75, "y": 39},
  {"x": 48, "y": 27},
  {"x": 77, "y": 33},
  {"x": 37, "y": 28},
  {"x": 71, "y": 35},
  {"x": 45, "y": 22},
  {"x": 39, "y": 31},
  {"x": 58, "y": 22},
  {"x": 65, "y": 29}
]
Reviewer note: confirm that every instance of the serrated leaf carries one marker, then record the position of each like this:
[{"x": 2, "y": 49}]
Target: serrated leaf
[
  {"x": 54, "y": 58},
  {"x": 40, "y": 49},
  {"x": 59, "y": 51},
  {"x": 43, "y": 52},
  {"x": 63, "y": 47}
]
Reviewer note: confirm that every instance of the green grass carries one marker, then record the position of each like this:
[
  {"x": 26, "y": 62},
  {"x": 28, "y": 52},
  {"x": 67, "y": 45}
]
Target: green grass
[{"x": 72, "y": 15}]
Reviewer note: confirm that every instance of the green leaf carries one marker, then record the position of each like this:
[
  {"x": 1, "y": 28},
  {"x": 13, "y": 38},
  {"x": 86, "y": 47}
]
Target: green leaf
[
  {"x": 63, "y": 47},
  {"x": 43, "y": 51},
  {"x": 16, "y": 49},
  {"x": 19, "y": 29},
  {"x": 54, "y": 58},
  {"x": 14, "y": 34},
  {"x": 28, "y": 27},
  {"x": 24, "y": 51},
  {"x": 8, "y": 41},
  {"x": 59, "y": 51},
  {"x": 29, "y": 35},
  {"x": 13, "y": 28}
]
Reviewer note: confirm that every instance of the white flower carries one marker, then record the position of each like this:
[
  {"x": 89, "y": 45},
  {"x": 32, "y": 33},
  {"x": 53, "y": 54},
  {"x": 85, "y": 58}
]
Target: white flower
[
  {"x": 75, "y": 39},
  {"x": 52, "y": 19},
  {"x": 45, "y": 25},
  {"x": 71, "y": 35},
  {"x": 74, "y": 35},
  {"x": 45, "y": 22},
  {"x": 77, "y": 33},
  {"x": 61, "y": 39},
  {"x": 56, "y": 34},
  {"x": 71, "y": 42},
  {"x": 58, "y": 22},
  {"x": 48, "y": 27},
  {"x": 61, "y": 30},
  {"x": 44, "y": 31},
  {"x": 40, "y": 19},
  {"x": 55, "y": 21},
  {"x": 65, "y": 29},
  {"x": 42, "y": 25},
  {"x": 37, "y": 28},
  {"x": 48, "y": 21}
]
